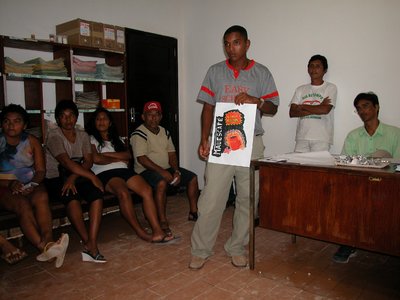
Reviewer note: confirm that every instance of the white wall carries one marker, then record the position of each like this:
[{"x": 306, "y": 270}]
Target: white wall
[
  {"x": 23, "y": 17},
  {"x": 359, "y": 38}
]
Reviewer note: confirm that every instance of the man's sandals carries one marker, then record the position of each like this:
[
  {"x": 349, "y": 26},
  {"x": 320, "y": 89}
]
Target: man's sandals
[
  {"x": 167, "y": 240},
  {"x": 165, "y": 227}
]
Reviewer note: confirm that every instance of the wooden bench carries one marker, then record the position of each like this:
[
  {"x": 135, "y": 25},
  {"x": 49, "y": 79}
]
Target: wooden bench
[{"x": 9, "y": 220}]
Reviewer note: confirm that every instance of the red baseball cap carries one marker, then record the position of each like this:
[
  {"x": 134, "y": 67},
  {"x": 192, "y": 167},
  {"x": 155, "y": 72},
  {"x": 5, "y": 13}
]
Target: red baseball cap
[{"x": 152, "y": 105}]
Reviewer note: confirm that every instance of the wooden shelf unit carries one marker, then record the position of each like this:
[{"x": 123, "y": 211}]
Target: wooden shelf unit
[{"x": 65, "y": 87}]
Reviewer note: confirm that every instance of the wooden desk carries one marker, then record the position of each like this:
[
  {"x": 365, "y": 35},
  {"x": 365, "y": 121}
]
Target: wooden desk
[{"x": 357, "y": 207}]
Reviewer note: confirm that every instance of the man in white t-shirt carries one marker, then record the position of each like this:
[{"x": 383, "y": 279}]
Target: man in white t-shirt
[{"x": 313, "y": 105}]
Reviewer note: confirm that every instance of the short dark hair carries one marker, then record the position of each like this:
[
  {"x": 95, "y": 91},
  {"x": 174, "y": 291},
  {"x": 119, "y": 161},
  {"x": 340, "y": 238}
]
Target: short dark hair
[
  {"x": 14, "y": 108},
  {"x": 370, "y": 96},
  {"x": 321, "y": 58},
  {"x": 237, "y": 28},
  {"x": 64, "y": 105}
]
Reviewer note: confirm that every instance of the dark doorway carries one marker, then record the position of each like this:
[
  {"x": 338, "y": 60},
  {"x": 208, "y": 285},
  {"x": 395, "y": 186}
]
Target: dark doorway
[{"x": 152, "y": 74}]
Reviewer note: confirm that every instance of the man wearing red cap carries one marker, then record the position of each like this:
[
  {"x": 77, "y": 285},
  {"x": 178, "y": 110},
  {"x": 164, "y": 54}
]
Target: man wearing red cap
[{"x": 156, "y": 160}]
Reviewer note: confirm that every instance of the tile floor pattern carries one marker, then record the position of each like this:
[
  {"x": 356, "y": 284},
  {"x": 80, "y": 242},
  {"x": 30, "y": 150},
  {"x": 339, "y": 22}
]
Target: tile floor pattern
[{"x": 139, "y": 270}]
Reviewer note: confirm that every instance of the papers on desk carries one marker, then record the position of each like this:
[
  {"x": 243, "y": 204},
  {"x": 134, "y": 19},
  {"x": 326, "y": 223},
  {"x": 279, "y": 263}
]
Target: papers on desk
[
  {"x": 397, "y": 168},
  {"x": 311, "y": 158}
]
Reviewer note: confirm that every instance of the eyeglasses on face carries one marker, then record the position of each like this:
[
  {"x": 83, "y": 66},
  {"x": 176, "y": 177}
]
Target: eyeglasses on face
[{"x": 363, "y": 107}]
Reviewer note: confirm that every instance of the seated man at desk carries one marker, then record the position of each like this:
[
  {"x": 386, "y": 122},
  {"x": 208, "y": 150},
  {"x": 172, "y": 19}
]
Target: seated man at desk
[{"x": 374, "y": 139}]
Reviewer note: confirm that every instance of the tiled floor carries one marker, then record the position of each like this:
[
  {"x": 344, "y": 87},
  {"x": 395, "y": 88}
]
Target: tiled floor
[{"x": 139, "y": 270}]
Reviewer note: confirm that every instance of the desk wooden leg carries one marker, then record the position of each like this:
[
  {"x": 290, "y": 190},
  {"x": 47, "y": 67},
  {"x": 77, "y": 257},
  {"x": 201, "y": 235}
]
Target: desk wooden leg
[
  {"x": 251, "y": 225},
  {"x": 293, "y": 239}
]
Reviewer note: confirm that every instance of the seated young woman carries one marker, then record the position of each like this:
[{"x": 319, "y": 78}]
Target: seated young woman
[
  {"x": 69, "y": 178},
  {"x": 22, "y": 170},
  {"x": 111, "y": 159}
]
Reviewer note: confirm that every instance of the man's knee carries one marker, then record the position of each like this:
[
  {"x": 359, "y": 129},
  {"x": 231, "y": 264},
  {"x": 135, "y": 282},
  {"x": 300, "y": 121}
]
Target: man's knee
[
  {"x": 194, "y": 179},
  {"x": 146, "y": 191},
  {"x": 193, "y": 182},
  {"x": 162, "y": 186}
]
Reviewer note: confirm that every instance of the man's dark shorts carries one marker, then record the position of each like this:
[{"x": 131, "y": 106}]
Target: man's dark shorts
[
  {"x": 85, "y": 188},
  {"x": 153, "y": 177}
]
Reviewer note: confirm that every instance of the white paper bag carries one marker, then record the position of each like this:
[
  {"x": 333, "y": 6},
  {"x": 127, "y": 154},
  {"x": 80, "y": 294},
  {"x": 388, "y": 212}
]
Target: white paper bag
[{"x": 233, "y": 133}]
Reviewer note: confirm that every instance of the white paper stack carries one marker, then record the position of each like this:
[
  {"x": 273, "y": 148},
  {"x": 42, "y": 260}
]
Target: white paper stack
[{"x": 310, "y": 158}]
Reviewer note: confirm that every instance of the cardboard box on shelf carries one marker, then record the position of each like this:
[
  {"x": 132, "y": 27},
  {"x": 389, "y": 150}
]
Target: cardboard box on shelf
[
  {"x": 78, "y": 32},
  {"x": 109, "y": 36},
  {"x": 111, "y": 103},
  {"x": 97, "y": 34},
  {"x": 120, "y": 38}
]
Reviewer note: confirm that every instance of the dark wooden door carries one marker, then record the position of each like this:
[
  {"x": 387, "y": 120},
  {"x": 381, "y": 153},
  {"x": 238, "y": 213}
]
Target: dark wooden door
[{"x": 152, "y": 74}]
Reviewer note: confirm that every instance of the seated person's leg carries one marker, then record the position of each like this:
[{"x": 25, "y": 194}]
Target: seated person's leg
[
  {"x": 94, "y": 197},
  {"x": 10, "y": 253},
  {"x": 139, "y": 185},
  {"x": 159, "y": 186},
  {"x": 22, "y": 207},
  {"x": 118, "y": 186},
  {"x": 75, "y": 215},
  {"x": 40, "y": 201},
  {"x": 72, "y": 204},
  {"x": 189, "y": 180},
  {"x": 95, "y": 214}
]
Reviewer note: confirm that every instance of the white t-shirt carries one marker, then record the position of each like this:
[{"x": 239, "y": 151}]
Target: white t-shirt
[
  {"x": 315, "y": 127},
  {"x": 108, "y": 147}
]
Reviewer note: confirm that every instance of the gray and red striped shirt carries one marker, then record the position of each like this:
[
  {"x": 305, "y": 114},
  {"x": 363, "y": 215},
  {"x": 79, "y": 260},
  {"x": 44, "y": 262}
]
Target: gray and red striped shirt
[{"x": 222, "y": 83}]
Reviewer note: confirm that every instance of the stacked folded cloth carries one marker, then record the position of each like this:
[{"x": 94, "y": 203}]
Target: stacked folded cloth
[
  {"x": 37, "y": 66},
  {"x": 87, "y": 99},
  {"x": 105, "y": 71},
  {"x": 54, "y": 67},
  {"x": 11, "y": 66},
  {"x": 84, "y": 68}
]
